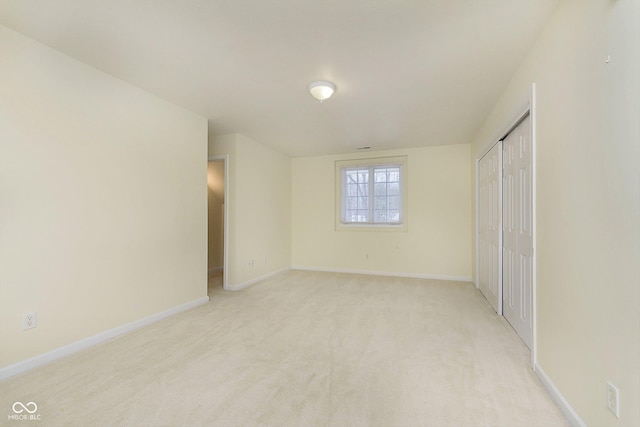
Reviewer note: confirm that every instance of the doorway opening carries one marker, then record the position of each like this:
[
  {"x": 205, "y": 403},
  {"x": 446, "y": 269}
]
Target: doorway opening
[{"x": 216, "y": 224}]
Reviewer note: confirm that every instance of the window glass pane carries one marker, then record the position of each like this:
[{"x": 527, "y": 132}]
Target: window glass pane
[
  {"x": 380, "y": 189},
  {"x": 393, "y": 202},
  {"x": 363, "y": 216},
  {"x": 380, "y": 175},
  {"x": 352, "y": 203},
  {"x": 380, "y": 216},
  {"x": 380, "y": 203},
  {"x": 393, "y": 175},
  {"x": 363, "y": 203},
  {"x": 394, "y": 216},
  {"x": 393, "y": 189}
]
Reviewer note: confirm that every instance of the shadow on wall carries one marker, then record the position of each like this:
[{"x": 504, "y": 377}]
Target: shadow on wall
[{"x": 215, "y": 198}]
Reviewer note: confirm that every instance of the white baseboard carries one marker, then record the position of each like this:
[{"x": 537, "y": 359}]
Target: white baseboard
[
  {"x": 256, "y": 280},
  {"x": 567, "y": 410},
  {"x": 50, "y": 356},
  {"x": 384, "y": 273}
]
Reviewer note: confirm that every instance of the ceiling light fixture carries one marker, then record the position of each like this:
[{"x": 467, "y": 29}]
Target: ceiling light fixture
[{"x": 322, "y": 89}]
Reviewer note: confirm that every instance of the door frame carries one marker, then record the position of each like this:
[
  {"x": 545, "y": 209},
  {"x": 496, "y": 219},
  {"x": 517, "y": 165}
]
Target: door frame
[
  {"x": 224, "y": 158},
  {"x": 527, "y": 107}
]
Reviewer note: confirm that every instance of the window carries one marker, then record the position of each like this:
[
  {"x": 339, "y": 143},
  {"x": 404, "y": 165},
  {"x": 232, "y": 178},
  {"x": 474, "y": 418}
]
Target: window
[{"x": 371, "y": 192}]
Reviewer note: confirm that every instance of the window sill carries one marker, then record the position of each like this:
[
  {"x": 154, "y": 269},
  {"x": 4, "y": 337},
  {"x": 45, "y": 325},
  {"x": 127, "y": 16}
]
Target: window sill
[{"x": 370, "y": 227}]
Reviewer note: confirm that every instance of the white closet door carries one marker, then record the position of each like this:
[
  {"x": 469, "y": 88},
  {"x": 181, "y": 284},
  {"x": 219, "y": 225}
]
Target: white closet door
[
  {"x": 517, "y": 269},
  {"x": 489, "y": 229}
]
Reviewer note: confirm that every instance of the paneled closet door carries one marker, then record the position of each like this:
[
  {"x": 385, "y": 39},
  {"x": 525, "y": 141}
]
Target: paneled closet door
[
  {"x": 517, "y": 267},
  {"x": 489, "y": 227}
]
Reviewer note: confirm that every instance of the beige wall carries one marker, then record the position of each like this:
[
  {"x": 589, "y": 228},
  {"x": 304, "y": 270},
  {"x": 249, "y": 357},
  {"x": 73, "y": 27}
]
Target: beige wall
[
  {"x": 103, "y": 213},
  {"x": 588, "y": 211},
  {"x": 259, "y": 208},
  {"x": 215, "y": 198},
  {"x": 437, "y": 241}
]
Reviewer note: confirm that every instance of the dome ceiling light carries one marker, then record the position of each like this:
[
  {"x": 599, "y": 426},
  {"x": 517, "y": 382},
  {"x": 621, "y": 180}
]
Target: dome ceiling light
[{"x": 321, "y": 89}]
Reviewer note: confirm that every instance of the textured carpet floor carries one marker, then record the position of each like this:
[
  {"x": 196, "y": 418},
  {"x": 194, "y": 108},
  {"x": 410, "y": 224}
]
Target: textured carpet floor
[{"x": 303, "y": 349}]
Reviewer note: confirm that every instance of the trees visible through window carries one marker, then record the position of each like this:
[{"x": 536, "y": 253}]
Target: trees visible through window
[{"x": 372, "y": 194}]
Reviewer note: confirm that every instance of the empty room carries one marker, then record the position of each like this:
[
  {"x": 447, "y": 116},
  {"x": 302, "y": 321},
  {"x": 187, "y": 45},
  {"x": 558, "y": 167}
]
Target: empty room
[{"x": 320, "y": 213}]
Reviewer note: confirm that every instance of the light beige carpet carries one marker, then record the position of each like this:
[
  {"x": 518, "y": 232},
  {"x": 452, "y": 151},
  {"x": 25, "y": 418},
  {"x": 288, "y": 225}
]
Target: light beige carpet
[{"x": 303, "y": 349}]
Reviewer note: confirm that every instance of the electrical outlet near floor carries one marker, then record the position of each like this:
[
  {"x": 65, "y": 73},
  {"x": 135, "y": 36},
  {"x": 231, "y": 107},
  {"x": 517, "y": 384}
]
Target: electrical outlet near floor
[
  {"x": 29, "y": 321},
  {"x": 613, "y": 399}
]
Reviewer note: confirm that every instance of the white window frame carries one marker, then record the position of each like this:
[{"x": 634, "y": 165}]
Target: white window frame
[{"x": 370, "y": 163}]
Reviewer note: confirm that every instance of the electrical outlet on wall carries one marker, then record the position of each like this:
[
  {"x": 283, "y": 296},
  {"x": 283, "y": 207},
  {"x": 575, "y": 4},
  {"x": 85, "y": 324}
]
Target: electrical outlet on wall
[
  {"x": 250, "y": 263},
  {"x": 29, "y": 320},
  {"x": 613, "y": 399}
]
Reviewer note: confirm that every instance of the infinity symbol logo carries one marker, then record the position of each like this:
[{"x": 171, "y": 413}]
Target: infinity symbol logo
[{"x": 21, "y": 407}]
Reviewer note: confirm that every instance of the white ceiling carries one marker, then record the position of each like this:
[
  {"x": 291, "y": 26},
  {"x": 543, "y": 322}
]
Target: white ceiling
[{"x": 409, "y": 73}]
